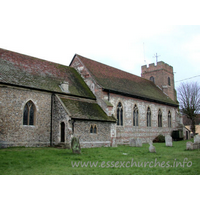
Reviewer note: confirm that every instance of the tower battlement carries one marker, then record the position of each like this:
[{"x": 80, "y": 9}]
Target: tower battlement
[{"x": 160, "y": 66}]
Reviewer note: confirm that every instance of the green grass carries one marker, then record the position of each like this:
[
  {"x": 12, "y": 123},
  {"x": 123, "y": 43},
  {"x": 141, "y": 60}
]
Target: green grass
[{"x": 58, "y": 161}]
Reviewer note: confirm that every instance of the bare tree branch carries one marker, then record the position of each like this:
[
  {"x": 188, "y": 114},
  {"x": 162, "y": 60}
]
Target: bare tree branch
[{"x": 189, "y": 101}]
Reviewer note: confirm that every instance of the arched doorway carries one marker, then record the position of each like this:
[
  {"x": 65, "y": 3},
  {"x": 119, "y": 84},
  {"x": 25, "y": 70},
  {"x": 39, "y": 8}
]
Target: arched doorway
[{"x": 62, "y": 127}]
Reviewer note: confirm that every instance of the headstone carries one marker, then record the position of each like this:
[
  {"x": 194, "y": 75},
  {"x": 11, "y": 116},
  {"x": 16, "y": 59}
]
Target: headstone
[
  {"x": 75, "y": 145},
  {"x": 138, "y": 142},
  {"x": 189, "y": 146},
  {"x": 168, "y": 141},
  {"x": 114, "y": 143},
  {"x": 132, "y": 143},
  {"x": 152, "y": 149},
  {"x": 197, "y": 139}
]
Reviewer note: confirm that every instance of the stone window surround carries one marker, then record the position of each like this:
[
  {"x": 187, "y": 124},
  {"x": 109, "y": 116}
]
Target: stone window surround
[
  {"x": 135, "y": 108},
  {"x": 148, "y": 117},
  {"x": 159, "y": 118},
  {"x": 92, "y": 126},
  {"x": 169, "y": 119},
  {"x": 121, "y": 113},
  {"x": 35, "y": 113}
]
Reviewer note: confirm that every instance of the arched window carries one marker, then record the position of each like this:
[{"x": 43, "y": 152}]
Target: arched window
[
  {"x": 93, "y": 129},
  {"x": 29, "y": 114},
  {"x": 169, "y": 120},
  {"x": 169, "y": 82},
  {"x": 148, "y": 117},
  {"x": 62, "y": 130},
  {"x": 159, "y": 118},
  {"x": 119, "y": 114},
  {"x": 152, "y": 79},
  {"x": 135, "y": 116}
]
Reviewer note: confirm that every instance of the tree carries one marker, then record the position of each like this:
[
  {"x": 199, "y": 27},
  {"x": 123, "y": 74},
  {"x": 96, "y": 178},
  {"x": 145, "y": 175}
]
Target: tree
[{"x": 189, "y": 101}]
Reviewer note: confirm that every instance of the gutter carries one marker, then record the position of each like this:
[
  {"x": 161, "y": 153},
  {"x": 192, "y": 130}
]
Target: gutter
[{"x": 97, "y": 120}]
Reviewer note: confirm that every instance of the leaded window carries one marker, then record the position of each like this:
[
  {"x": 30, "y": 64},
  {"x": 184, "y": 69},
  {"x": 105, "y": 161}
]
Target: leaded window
[
  {"x": 119, "y": 114},
  {"x": 159, "y": 118},
  {"x": 148, "y": 117},
  {"x": 93, "y": 129},
  {"x": 135, "y": 116},
  {"x": 29, "y": 114},
  {"x": 169, "y": 120}
]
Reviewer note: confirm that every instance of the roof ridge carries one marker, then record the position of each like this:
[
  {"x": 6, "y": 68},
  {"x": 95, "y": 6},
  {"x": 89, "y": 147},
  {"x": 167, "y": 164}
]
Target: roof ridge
[
  {"x": 28, "y": 56},
  {"x": 109, "y": 66}
]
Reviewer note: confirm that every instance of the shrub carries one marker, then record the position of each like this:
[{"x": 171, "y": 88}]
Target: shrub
[{"x": 160, "y": 138}]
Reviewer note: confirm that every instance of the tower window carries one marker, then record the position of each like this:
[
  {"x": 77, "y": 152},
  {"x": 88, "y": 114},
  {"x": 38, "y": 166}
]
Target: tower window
[
  {"x": 169, "y": 82},
  {"x": 29, "y": 114},
  {"x": 152, "y": 79},
  {"x": 119, "y": 114}
]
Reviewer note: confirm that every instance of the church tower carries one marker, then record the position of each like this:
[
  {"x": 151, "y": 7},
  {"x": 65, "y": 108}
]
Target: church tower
[{"x": 162, "y": 75}]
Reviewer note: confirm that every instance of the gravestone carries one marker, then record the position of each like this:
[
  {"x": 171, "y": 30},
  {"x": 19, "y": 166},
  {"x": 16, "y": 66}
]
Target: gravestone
[
  {"x": 138, "y": 142},
  {"x": 132, "y": 143},
  {"x": 75, "y": 145},
  {"x": 189, "y": 146},
  {"x": 168, "y": 141},
  {"x": 197, "y": 139},
  {"x": 114, "y": 143},
  {"x": 152, "y": 149}
]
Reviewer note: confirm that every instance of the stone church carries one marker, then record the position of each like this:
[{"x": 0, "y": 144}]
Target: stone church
[{"x": 45, "y": 104}]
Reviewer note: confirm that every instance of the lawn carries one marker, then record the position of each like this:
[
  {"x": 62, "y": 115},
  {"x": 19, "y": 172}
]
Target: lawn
[{"x": 124, "y": 160}]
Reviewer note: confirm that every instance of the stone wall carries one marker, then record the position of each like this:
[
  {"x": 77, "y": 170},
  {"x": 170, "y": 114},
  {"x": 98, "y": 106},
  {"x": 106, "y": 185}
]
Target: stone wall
[
  {"x": 87, "y": 139},
  {"x": 12, "y": 130},
  {"x": 60, "y": 115},
  {"x": 127, "y": 131}
]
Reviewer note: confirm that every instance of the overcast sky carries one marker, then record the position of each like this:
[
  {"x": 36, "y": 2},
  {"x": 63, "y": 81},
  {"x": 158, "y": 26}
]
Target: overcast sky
[{"x": 119, "y": 33}]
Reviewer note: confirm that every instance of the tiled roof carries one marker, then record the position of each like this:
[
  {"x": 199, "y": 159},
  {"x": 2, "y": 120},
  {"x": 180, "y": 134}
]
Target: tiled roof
[
  {"x": 86, "y": 110},
  {"x": 22, "y": 70},
  {"x": 119, "y": 81}
]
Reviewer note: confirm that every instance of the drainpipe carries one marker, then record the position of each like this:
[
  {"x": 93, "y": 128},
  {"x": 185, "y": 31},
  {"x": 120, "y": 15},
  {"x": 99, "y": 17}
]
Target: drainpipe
[{"x": 51, "y": 123}]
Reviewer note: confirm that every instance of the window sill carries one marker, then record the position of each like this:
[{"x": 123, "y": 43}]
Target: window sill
[{"x": 28, "y": 126}]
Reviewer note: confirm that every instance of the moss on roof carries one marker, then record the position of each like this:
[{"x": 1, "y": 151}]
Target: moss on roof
[
  {"x": 86, "y": 110},
  {"x": 32, "y": 72},
  {"x": 113, "y": 79}
]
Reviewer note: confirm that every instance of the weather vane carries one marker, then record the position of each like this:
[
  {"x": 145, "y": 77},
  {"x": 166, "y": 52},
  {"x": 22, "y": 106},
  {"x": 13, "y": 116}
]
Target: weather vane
[{"x": 156, "y": 56}]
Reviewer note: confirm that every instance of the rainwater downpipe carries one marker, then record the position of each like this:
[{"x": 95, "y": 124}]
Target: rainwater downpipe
[{"x": 51, "y": 123}]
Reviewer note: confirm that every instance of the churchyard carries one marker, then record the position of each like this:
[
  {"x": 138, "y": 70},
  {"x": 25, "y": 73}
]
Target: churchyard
[{"x": 122, "y": 160}]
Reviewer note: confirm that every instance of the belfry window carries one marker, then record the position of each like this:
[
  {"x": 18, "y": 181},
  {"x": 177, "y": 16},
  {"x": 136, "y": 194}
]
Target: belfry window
[
  {"x": 119, "y": 114},
  {"x": 135, "y": 116},
  {"x": 148, "y": 117},
  {"x": 169, "y": 82},
  {"x": 29, "y": 114},
  {"x": 152, "y": 79},
  {"x": 169, "y": 120},
  {"x": 159, "y": 118}
]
